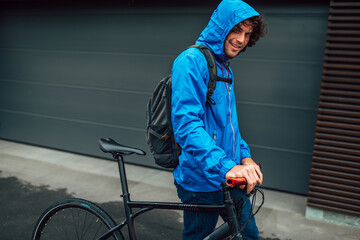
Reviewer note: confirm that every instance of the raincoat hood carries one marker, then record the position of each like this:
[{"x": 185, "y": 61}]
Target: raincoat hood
[{"x": 225, "y": 17}]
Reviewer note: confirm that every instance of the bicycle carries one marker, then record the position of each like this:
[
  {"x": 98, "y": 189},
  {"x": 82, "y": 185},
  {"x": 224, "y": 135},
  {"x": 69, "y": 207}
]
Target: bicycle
[{"x": 76, "y": 218}]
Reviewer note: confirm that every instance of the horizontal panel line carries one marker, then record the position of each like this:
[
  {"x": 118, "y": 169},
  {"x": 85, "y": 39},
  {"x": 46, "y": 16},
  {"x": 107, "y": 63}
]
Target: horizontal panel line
[
  {"x": 338, "y": 156},
  {"x": 341, "y": 79},
  {"x": 334, "y": 200},
  {"x": 341, "y": 169},
  {"x": 351, "y": 127},
  {"x": 140, "y": 93},
  {"x": 339, "y": 162},
  {"x": 335, "y": 173},
  {"x": 329, "y": 59},
  {"x": 86, "y": 52},
  {"x": 342, "y": 52},
  {"x": 354, "y": 109},
  {"x": 339, "y": 106},
  {"x": 71, "y": 120},
  {"x": 75, "y": 87},
  {"x": 343, "y": 18},
  {"x": 296, "y": 11},
  {"x": 344, "y": 4},
  {"x": 337, "y": 150},
  {"x": 331, "y": 158},
  {"x": 116, "y": 53},
  {"x": 343, "y": 9},
  {"x": 314, "y": 11},
  {"x": 341, "y": 100},
  {"x": 341, "y": 73},
  {"x": 280, "y": 149},
  {"x": 335, "y": 209},
  {"x": 340, "y": 186},
  {"x": 114, "y": 11},
  {"x": 335, "y": 137},
  {"x": 334, "y": 179},
  {"x": 335, "y": 32},
  {"x": 347, "y": 86},
  {"x": 354, "y": 47},
  {"x": 353, "y": 67},
  {"x": 290, "y": 61},
  {"x": 337, "y": 119},
  {"x": 334, "y": 25},
  {"x": 340, "y": 132},
  {"x": 341, "y": 144},
  {"x": 335, "y": 195},
  {"x": 339, "y": 93},
  {"x": 277, "y": 106}
]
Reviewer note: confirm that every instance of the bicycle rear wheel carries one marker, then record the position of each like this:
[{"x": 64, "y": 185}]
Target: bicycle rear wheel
[{"x": 74, "y": 218}]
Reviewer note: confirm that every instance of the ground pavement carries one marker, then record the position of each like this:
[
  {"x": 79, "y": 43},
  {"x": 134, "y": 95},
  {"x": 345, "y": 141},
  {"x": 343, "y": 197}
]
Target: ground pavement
[{"x": 31, "y": 178}]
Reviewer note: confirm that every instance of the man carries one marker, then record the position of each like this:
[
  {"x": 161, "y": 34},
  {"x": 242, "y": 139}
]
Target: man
[{"x": 212, "y": 147}]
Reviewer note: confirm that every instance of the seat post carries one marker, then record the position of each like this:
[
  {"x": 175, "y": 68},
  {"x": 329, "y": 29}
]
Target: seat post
[
  {"x": 126, "y": 197},
  {"x": 123, "y": 178}
]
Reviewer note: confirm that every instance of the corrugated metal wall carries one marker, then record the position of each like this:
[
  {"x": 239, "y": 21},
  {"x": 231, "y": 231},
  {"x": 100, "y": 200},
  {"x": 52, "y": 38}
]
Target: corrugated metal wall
[
  {"x": 73, "y": 73},
  {"x": 335, "y": 173},
  {"x": 70, "y": 75}
]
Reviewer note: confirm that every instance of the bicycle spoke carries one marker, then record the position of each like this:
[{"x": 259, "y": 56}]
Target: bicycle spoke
[
  {"x": 63, "y": 230},
  {"x": 67, "y": 236},
  {"x": 98, "y": 227},
  {"x": 58, "y": 227},
  {"x": 63, "y": 226},
  {"x": 77, "y": 234},
  {"x": 83, "y": 226},
  {"x": 89, "y": 226}
]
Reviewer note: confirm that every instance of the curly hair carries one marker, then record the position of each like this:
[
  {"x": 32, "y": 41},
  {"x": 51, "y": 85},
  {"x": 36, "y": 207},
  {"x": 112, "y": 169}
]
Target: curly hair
[{"x": 258, "y": 29}]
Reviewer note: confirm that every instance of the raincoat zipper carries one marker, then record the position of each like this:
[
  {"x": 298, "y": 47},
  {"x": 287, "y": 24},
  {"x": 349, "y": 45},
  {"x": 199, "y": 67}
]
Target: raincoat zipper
[{"x": 228, "y": 88}]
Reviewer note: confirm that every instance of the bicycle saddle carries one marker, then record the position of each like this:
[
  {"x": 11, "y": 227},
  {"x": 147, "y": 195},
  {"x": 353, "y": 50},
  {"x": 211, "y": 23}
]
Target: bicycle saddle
[{"x": 110, "y": 146}]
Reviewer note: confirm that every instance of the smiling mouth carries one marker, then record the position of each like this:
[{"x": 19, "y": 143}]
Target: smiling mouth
[{"x": 235, "y": 46}]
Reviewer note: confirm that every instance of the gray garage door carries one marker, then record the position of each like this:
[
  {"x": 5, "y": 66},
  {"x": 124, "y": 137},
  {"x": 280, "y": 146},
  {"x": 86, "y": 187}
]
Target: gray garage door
[{"x": 69, "y": 76}]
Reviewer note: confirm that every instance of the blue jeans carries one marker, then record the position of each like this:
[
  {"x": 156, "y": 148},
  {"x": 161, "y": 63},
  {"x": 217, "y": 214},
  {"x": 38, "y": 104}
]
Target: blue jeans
[{"x": 197, "y": 225}]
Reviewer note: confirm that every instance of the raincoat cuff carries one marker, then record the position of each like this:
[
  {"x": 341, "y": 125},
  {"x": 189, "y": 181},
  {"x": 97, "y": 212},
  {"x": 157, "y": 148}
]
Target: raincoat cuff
[
  {"x": 226, "y": 167},
  {"x": 245, "y": 154}
]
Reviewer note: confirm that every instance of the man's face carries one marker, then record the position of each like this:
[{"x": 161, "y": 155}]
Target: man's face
[{"x": 237, "y": 39}]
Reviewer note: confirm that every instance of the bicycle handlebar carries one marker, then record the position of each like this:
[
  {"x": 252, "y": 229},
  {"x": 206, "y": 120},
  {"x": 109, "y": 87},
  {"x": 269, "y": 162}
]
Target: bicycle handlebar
[{"x": 237, "y": 181}]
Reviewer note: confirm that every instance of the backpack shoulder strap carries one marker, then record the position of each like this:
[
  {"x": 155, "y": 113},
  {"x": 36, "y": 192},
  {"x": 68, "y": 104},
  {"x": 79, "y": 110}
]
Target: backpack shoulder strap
[{"x": 211, "y": 62}]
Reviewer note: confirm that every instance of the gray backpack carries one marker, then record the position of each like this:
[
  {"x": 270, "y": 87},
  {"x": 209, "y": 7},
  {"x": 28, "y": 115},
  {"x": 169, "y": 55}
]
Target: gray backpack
[{"x": 159, "y": 133}]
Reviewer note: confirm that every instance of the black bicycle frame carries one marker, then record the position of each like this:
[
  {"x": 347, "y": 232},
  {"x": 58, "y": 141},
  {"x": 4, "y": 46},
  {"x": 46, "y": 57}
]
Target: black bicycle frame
[{"x": 227, "y": 209}]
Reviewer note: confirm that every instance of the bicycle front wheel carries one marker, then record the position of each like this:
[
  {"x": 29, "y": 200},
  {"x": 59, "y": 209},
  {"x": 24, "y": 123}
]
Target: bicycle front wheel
[{"x": 74, "y": 218}]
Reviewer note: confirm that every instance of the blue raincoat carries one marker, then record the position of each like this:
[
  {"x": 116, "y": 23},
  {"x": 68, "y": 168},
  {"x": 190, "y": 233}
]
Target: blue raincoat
[{"x": 208, "y": 134}]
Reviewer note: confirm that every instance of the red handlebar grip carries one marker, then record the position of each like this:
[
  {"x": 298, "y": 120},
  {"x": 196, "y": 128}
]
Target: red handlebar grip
[{"x": 233, "y": 182}]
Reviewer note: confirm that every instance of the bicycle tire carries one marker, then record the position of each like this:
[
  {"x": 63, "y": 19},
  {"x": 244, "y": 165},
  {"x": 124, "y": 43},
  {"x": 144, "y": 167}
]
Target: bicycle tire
[{"x": 74, "y": 218}]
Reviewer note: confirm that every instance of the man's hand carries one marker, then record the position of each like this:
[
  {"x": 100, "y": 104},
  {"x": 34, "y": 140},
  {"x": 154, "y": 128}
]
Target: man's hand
[{"x": 250, "y": 170}]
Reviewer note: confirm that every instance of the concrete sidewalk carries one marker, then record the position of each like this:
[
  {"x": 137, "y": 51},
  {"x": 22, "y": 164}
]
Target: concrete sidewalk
[{"x": 281, "y": 217}]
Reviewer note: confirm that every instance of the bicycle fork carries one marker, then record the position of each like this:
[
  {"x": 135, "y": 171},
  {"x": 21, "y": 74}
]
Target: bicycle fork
[
  {"x": 231, "y": 216},
  {"x": 231, "y": 226}
]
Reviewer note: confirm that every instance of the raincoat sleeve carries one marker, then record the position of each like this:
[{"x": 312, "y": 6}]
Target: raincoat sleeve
[
  {"x": 244, "y": 150},
  {"x": 190, "y": 76}
]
